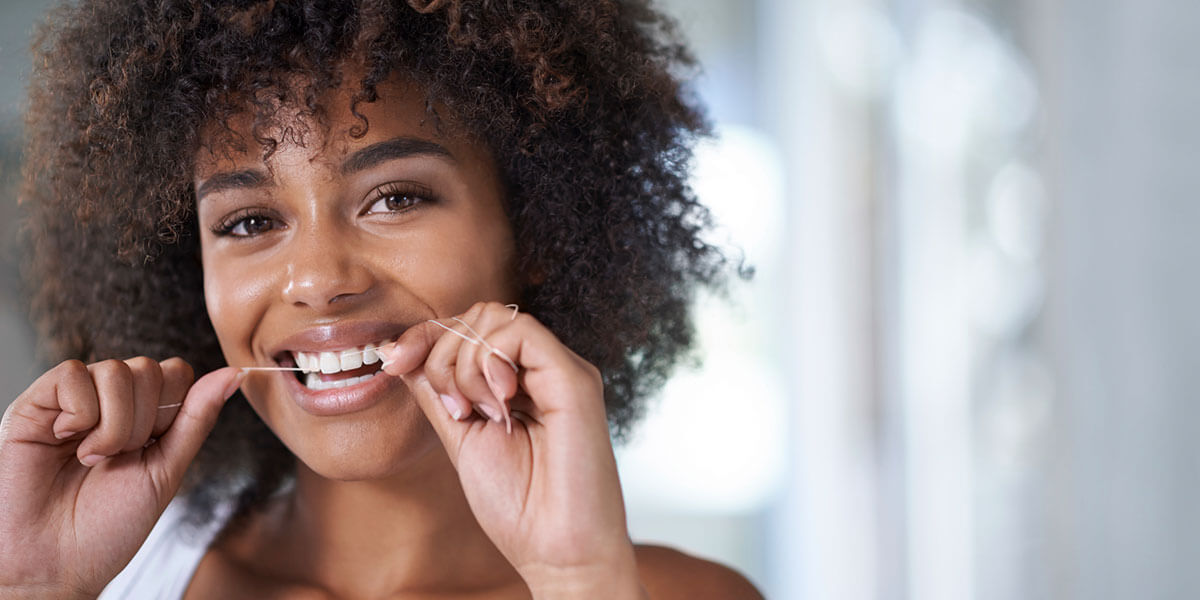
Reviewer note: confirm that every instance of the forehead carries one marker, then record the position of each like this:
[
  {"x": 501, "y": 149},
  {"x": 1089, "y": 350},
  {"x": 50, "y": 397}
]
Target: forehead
[{"x": 333, "y": 129}]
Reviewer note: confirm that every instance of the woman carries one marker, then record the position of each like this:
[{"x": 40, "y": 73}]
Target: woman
[{"x": 451, "y": 241}]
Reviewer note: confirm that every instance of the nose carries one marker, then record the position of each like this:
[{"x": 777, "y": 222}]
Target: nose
[{"x": 323, "y": 270}]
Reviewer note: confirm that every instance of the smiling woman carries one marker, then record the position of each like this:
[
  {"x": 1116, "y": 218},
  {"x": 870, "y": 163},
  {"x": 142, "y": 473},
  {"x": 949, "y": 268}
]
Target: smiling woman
[{"x": 342, "y": 201}]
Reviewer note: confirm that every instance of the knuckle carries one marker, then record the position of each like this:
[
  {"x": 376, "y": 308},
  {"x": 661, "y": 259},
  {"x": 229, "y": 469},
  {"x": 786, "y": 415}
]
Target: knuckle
[
  {"x": 145, "y": 368},
  {"x": 527, "y": 320},
  {"x": 71, "y": 367},
  {"x": 140, "y": 362},
  {"x": 590, "y": 372},
  {"x": 71, "y": 372},
  {"x": 111, "y": 368},
  {"x": 177, "y": 367},
  {"x": 476, "y": 309}
]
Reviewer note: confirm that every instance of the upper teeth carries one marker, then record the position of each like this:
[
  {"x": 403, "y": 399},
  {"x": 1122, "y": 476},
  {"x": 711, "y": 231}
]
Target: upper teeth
[{"x": 336, "y": 362}]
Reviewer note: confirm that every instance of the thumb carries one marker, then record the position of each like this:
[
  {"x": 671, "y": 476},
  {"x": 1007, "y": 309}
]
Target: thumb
[{"x": 170, "y": 456}]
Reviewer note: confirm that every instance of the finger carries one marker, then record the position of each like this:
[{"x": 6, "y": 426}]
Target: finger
[
  {"x": 177, "y": 377},
  {"x": 169, "y": 458},
  {"x": 147, "y": 385},
  {"x": 457, "y": 405},
  {"x": 436, "y": 407},
  {"x": 410, "y": 350},
  {"x": 440, "y": 364},
  {"x": 114, "y": 388},
  {"x": 501, "y": 378},
  {"x": 550, "y": 372},
  {"x": 76, "y": 397},
  {"x": 470, "y": 380}
]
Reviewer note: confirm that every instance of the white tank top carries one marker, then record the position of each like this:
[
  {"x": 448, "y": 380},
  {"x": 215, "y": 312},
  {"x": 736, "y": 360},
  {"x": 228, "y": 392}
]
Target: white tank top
[{"x": 163, "y": 567}]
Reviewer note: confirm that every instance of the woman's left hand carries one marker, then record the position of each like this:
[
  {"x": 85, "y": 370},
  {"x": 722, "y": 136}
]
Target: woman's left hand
[{"x": 547, "y": 493}]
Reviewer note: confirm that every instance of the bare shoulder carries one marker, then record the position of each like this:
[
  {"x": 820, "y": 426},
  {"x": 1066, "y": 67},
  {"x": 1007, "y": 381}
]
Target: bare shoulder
[{"x": 668, "y": 574}]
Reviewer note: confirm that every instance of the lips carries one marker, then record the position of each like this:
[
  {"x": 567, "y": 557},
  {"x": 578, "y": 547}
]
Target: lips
[{"x": 340, "y": 369}]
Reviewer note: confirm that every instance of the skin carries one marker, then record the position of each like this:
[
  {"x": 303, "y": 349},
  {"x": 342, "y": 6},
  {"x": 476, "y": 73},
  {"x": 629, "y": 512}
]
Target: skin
[{"x": 414, "y": 494}]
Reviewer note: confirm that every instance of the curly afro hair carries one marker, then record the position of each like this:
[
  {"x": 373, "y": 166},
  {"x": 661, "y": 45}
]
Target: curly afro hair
[{"x": 580, "y": 101}]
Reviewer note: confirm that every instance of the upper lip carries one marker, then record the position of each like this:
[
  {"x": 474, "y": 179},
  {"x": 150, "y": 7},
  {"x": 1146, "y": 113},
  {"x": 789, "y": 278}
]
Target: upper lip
[{"x": 338, "y": 336}]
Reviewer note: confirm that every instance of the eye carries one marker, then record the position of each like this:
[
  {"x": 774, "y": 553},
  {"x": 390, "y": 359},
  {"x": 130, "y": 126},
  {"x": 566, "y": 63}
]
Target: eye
[
  {"x": 394, "y": 198},
  {"x": 245, "y": 224}
]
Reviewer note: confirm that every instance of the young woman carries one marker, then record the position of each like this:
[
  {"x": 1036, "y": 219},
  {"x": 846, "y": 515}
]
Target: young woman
[{"x": 443, "y": 247}]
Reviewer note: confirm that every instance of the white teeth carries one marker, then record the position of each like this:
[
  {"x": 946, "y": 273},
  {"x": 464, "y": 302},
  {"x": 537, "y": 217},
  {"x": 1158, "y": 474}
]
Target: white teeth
[
  {"x": 369, "y": 356},
  {"x": 330, "y": 362},
  {"x": 338, "y": 361},
  {"x": 351, "y": 359},
  {"x": 313, "y": 381}
]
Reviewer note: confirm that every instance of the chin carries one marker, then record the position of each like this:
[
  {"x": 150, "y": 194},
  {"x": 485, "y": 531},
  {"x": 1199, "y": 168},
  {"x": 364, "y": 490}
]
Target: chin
[
  {"x": 386, "y": 438},
  {"x": 370, "y": 451}
]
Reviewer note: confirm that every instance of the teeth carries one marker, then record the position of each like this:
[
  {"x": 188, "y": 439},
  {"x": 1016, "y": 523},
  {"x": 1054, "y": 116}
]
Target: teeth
[
  {"x": 338, "y": 361},
  {"x": 369, "y": 356},
  {"x": 330, "y": 363},
  {"x": 313, "y": 381},
  {"x": 351, "y": 359}
]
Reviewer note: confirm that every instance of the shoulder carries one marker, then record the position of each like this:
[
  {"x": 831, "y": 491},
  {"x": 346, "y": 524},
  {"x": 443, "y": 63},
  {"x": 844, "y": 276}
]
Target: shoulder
[{"x": 668, "y": 574}]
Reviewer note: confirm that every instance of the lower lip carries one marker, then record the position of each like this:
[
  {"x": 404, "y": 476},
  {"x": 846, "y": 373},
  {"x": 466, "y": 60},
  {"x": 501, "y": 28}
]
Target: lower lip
[{"x": 339, "y": 401}]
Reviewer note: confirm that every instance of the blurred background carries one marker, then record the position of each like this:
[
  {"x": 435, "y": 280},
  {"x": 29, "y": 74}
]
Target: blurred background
[{"x": 967, "y": 365}]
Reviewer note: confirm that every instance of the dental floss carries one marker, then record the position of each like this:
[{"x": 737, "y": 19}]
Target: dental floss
[
  {"x": 490, "y": 348},
  {"x": 477, "y": 340}
]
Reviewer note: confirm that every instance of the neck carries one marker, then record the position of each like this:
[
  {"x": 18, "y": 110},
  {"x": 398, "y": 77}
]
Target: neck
[{"x": 413, "y": 532}]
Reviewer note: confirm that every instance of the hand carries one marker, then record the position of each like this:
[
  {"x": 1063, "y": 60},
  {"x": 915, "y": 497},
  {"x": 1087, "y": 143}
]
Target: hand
[
  {"x": 88, "y": 462},
  {"x": 547, "y": 494}
]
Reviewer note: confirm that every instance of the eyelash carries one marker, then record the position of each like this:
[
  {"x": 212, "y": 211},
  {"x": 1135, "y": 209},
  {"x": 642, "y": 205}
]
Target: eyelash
[
  {"x": 228, "y": 224},
  {"x": 415, "y": 194}
]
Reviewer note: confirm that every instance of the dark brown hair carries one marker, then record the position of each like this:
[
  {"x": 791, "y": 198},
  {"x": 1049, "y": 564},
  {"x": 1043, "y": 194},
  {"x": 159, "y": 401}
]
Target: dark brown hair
[{"x": 579, "y": 101}]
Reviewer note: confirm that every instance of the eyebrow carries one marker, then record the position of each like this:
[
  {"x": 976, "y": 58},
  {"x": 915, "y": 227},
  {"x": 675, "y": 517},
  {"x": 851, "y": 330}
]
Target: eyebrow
[
  {"x": 361, "y": 160},
  {"x": 398, "y": 147},
  {"x": 221, "y": 182}
]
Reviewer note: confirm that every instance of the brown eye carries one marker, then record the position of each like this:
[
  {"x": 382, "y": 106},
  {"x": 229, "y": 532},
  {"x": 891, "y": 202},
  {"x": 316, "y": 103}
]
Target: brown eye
[
  {"x": 394, "y": 203},
  {"x": 252, "y": 226},
  {"x": 245, "y": 226}
]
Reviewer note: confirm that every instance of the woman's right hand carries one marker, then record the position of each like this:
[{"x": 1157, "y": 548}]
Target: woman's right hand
[{"x": 88, "y": 462}]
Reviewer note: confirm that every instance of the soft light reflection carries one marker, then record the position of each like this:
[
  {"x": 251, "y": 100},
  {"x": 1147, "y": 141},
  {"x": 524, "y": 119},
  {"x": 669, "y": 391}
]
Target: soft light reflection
[
  {"x": 860, "y": 47},
  {"x": 1016, "y": 211},
  {"x": 962, "y": 83}
]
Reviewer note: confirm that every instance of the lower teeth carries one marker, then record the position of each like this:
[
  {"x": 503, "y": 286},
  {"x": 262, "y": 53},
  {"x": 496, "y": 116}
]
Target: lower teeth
[{"x": 313, "y": 381}]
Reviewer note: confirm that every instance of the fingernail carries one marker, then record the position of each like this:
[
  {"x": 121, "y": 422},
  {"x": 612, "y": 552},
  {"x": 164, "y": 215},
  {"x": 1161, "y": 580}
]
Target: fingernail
[
  {"x": 451, "y": 406},
  {"x": 491, "y": 413},
  {"x": 385, "y": 354},
  {"x": 62, "y": 435},
  {"x": 234, "y": 385},
  {"x": 91, "y": 460},
  {"x": 487, "y": 376}
]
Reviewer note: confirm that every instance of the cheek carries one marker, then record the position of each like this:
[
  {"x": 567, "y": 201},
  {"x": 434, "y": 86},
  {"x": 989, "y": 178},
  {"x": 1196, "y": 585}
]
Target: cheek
[
  {"x": 451, "y": 271},
  {"x": 234, "y": 298}
]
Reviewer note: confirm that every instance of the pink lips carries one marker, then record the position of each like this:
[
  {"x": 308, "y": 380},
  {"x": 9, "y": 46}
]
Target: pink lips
[
  {"x": 340, "y": 401},
  {"x": 343, "y": 400}
]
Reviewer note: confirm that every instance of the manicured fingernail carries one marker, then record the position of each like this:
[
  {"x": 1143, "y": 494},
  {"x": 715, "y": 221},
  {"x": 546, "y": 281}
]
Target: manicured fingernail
[
  {"x": 91, "y": 460},
  {"x": 451, "y": 406},
  {"x": 62, "y": 435},
  {"x": 487, "y": 376},
  {"x": 491, "y": 413}
]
